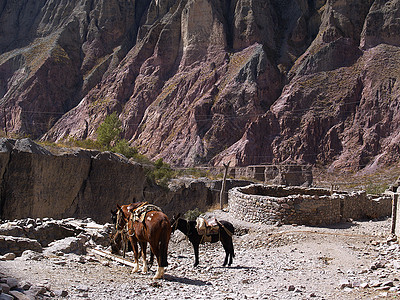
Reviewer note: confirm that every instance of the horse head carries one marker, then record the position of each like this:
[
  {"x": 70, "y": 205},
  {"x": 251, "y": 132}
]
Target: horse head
[
  {"x": 114, "y": 216},
  {"x": 121, "y": 219}
]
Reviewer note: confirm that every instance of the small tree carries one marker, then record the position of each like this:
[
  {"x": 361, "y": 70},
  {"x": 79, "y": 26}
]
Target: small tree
[
  {"x": 109, "y": 131},
  {"x": 123, "y": 147}
]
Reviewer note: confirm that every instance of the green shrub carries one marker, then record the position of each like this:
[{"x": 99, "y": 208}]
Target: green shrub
[
  {"x": 162, "y": 173},
  {"x": 87, "y": 144},
  {"x": 123, "y": 147},
  {"x": 192, "y": 215},
  {"x": 376, "y": 188}
]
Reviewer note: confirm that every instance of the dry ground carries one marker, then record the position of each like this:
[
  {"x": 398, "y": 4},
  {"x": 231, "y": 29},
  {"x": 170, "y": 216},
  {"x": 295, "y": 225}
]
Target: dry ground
[{"x": 287, "y": 262}]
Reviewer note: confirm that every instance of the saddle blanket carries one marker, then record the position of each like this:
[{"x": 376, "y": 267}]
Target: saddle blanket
[
  {"x": 207, "y": 227},
  {"x": 140, "y": 213}
]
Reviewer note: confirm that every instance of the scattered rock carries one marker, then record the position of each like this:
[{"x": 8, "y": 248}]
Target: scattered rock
[
  {"x": 254, "y": 266},
  {"x": 9, "y": 256},
  {"x": 60, "y": 293},
  {"x": 345, "y": 283},
  {"x": 20, "y": 296},
  {"x": 31, "y": 255},
  {"x": 375, "y": 283},
  {"x": 291, "y": 288},
  {"x": 5, "y": 296},
  {"x": 5, "y": 287},
  {"x": 12, "y": 282}
]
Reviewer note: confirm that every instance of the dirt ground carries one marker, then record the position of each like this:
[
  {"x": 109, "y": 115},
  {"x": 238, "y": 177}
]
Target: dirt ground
[{"x": 347, "y": 261}]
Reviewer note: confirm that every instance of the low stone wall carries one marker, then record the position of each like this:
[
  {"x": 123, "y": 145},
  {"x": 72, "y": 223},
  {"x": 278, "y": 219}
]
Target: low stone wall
[{"x": 307, "y": 206}]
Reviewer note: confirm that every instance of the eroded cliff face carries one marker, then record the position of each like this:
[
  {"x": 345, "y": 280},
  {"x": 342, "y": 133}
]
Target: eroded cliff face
[
  {"x": 35, "y": 183},
  {"x": 201, "y": 81},
  {"x": 62, "y": 183}
]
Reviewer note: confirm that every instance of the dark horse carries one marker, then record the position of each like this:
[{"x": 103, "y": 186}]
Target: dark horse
[
  {"x": 154, "y": 229},
  {"x": 226, "y": 230}
]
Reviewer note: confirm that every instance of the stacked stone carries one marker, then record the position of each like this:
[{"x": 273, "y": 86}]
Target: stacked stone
[
  {"x": 312, "y": 210},
  {"x": 303, "y": 206}
]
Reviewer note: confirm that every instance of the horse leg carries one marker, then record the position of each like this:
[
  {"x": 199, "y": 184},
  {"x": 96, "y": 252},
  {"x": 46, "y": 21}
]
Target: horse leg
[
  {"x": 226, "y": 255},
  {"x": 228, "y": 247},
  {"x": 151, "y": 261},
  {"x": 196, "y": 253},
  {"x": 143, "y": 246},
  {"x": 160, "y": 270},
  {"x": 124, "y": 242},
  {"x": 231, "y": 251},
  {"x": 136, "y": 255}
]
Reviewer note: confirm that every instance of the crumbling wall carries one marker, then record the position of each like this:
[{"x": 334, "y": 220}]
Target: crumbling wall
[{"x": 308, "y": 206}]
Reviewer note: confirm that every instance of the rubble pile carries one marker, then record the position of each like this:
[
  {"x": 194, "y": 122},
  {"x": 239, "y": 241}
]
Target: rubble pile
[{"x": 40, "y": 239}]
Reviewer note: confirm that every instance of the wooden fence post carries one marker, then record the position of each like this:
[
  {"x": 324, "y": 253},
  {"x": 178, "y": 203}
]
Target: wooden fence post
[
  {"x": 395, "y": 200},
  {"x": 222, "y": 194}
]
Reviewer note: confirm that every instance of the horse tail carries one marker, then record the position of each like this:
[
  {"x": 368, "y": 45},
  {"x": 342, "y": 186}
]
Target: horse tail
[
  {"x": 227, "y": 227},
  {"x": 164, "y": 241},
  {"x": 230, "y": 231}
]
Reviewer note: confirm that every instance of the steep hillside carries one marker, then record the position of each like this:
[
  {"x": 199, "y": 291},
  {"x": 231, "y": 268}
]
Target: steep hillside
[{"x": 201, "y": 81}]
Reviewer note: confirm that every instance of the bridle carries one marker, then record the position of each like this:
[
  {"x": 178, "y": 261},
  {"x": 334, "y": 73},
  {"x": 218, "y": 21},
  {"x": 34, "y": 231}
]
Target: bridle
[{"x": 120, "y": 228}]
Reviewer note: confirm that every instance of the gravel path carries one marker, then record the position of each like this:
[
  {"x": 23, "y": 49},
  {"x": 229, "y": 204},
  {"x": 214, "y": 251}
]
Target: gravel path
[{"x": 348, "y": 261}]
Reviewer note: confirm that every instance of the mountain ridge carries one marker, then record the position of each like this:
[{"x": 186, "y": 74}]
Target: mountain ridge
[{"x": 206, "y": 82}]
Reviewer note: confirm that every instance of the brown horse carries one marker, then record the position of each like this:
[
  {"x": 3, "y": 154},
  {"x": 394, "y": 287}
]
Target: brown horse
[
  {"x": 120, "y": 218},
  {"x": 119, "y": 240},
  {"x": 152, "y": 227}
]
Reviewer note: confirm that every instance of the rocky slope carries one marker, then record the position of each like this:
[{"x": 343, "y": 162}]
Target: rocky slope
[{"x": 200, "y": 81}]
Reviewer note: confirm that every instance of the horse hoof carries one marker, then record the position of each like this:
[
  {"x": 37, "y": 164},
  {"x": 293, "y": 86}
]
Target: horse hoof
[
  {"x": 160, "y": 273},
  {"x": 135, "y": 269}
]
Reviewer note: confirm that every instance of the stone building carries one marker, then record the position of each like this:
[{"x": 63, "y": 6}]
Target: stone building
[{"x": 272, "y": 204}]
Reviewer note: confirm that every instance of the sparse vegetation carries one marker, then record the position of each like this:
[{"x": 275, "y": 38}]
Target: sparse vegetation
[
  {"x": 109, "y": 131},
  {"x": 87, "y": 143},
  {"x": 195, "y": 172},
  {"x": 192, "y": 215},
  {"x": 162, "y": 173},
  {"x": 376, "y": 188}
]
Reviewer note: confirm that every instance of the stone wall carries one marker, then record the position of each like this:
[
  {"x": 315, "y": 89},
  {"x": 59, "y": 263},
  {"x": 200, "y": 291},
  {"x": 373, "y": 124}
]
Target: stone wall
[{"x": 308, "y": 206}]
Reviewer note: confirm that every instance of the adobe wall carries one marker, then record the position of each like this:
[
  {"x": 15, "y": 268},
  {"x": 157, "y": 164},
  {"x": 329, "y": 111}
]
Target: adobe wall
[{"x": 307, "y": 206}]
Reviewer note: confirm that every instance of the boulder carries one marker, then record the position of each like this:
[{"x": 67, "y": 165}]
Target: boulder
[{"x": 18, "y": 245}]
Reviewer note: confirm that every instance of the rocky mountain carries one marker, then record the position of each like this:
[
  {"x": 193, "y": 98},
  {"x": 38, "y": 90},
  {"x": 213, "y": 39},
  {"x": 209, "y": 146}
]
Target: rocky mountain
[{"x": 206, "y": 82}]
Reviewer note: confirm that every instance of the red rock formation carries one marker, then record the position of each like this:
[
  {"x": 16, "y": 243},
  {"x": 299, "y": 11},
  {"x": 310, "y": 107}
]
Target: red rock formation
[{"x": 200, "y": 81}]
